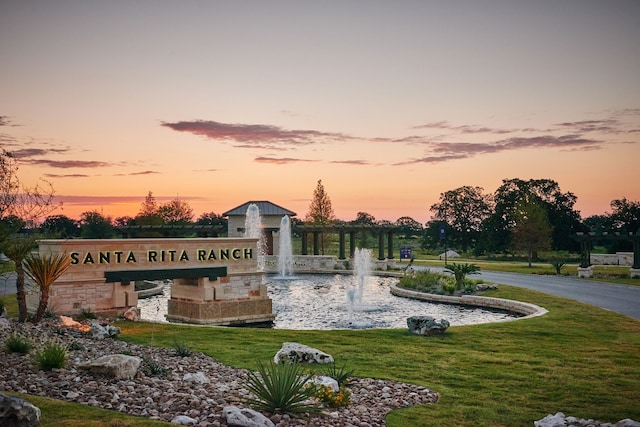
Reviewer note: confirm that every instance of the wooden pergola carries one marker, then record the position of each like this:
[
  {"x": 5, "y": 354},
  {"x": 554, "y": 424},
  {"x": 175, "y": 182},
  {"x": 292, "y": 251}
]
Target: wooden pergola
[{"x": 343, "y": 230}]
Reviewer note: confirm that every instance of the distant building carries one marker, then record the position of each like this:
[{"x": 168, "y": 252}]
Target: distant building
[{"x": 270, "y": 213}]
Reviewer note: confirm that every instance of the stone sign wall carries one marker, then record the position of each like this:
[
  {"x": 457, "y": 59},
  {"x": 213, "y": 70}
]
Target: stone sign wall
[{"x": 216, "y": 280}]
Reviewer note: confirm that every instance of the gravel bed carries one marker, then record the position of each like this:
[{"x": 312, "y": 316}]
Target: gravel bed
[{"x": 168, "y": 396}]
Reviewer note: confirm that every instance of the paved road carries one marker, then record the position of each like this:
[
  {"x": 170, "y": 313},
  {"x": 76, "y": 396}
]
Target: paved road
[
  {"x": 7, "y": 284},
  {"x": 622, "y": 299}
]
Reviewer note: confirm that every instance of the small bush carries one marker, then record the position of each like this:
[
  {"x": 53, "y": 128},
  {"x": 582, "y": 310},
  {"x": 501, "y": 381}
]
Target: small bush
[
  {"x": 52, "y": 356},
  {"x": 339, "y": 373},
  {"x": 449, "y": 287},
  {"x": 328, "y": 397},
  {"x": 421, "y": 281},
  {"x": 281, "y": 388},
  {"x": 557, "y": 265},
  {"x": 153, "y": 368},
  {"x": 17, "y": 343},
  {"x": 182, "y": 348},
  {"x": 75, "y": 345},
  {"x": 469, "y": 286},
  {"x": 86, "y": 314}
]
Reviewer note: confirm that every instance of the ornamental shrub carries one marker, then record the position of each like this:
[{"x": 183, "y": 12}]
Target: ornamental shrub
[
  {"x": 17, "y": 343},
  {"x": 52, "y": 356}
]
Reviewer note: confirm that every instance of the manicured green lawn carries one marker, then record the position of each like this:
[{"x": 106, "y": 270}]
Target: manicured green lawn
[{"x": 577, "y": 359}]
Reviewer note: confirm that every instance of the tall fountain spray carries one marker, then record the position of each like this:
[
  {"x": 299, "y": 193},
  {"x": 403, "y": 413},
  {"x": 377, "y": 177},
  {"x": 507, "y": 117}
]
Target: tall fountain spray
[
  {"x": 285, "y": 251},
  {"x": 361, "y": 271},
  {"x": 253, "y": 230}
]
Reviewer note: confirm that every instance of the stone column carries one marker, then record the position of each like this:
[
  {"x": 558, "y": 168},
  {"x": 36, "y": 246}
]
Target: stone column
[
  {"x": 342, "y": 252},
  {"x": 352, "y": 243},
  {"x": 304, "y": 242},
  {"x": 381, "y": 245},
  {"x": 316, "y": 243},
  {"x": 390, "y": 244}
]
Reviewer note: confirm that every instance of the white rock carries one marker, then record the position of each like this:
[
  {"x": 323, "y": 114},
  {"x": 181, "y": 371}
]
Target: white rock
[
  {"x": 556, "y": 420},
  {"x": 183, "y": 420},
  {"x": 299, "y": 353},
  {"x": 198, "y": 378},
  {"x": 245, "y": 417},
  {"x": 328, "y": 382},
  {"x": 115, "y": 365}
]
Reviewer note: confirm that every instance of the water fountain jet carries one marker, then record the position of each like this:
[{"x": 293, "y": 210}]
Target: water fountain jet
[
  {"x": 253, "y": 230},
  {"x": 285, "y": 251},
  {"x": 361, "y": 273}
]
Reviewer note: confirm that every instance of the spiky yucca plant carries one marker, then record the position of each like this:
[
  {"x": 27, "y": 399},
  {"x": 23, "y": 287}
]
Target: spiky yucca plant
[
  {"x": 44, "y": 270},
  {"x": 281, "y": 388}
]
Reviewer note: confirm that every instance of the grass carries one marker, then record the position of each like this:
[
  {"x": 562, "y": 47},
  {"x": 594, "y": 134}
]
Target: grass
[{"x": 577, "y": 359}]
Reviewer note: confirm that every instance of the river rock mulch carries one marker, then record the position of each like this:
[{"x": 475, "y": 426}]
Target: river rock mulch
[{"x": 163, "y": 397}]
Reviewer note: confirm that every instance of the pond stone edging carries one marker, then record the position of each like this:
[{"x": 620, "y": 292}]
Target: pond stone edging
[{"x": 526, "y": 309}]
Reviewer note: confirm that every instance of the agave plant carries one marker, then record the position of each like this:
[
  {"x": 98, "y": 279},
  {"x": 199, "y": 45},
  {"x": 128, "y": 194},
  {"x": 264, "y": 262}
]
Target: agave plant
[
  {"x": 44, "y": 270},
  {"x": 282, "y": 388}
]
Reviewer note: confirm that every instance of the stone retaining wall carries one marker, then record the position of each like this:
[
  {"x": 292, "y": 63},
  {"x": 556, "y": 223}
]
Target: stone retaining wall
[
  {"x": 619, "y": 258},
  {"x": 526, "y": 309}
]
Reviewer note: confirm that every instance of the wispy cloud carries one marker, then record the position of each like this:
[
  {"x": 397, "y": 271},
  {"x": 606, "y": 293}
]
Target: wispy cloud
[
  {"x": 139, "y": 173},
  {"x": 445, "y": 151},
  {"x": 442, "y": 141},
  {"x": 282, "y": 160},
  {"x": 603, "y": 126},
  {"x": 253, "y": 135},
  {"x": 432, "y": 159},
  {"x": 71, "y": 175},
  {"x": 351, "y": 162},
  {"x": 107, "y": 200},
  {"x": 464, "y": 129},
  {"x": 27, "y": 153},
  {"x": 67, "y": 164}
]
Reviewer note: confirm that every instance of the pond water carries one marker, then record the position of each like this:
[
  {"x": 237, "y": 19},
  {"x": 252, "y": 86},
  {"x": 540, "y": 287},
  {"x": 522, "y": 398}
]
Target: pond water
[{"x": 321, "y": 302}]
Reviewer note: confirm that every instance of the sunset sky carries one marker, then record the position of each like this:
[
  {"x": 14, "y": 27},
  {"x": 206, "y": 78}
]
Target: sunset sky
[{"x": 389, "y": 103}]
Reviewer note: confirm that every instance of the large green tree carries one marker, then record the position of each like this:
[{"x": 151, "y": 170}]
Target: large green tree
[
  {"x": 93, "y": 225},
  {"x": 320, "y": 211},
  {"x": 562, "y": 216},
  {"x": 365, "y": 235},
  {"x": 408, "y": 227},
  {"x": 532, "y": 231},
  {"x": 60, "y": 226},
  {"x": 463, "y": 210},
  {"x": 176, "y": 211},
  {"x": 625, "y": 215}
]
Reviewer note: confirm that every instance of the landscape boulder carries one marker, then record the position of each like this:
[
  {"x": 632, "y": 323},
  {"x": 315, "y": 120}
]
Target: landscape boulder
[
  {"x": 100, "y": 332},
  {"x": 245, "y": 417},
  {"x": 427, "y": 325},
  {"x": 560, "y": 420},
  {"x": 132, "y": 314},
  {"x": 198, "y": 378},
  {"x": 119, "y": 366},
  {"x": 293, "y": 352},
  {"x": 183, "y": 420},
  {"x": 17, "y": 412}
]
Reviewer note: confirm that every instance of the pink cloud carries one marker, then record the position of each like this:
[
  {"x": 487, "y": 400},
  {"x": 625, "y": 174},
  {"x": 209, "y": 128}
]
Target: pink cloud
[{"x": 253, "y": 134}]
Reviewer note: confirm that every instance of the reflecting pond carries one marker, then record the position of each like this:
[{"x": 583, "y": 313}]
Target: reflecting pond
[{"x": 321, "y": 301}]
